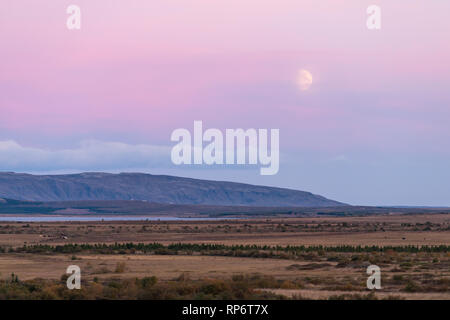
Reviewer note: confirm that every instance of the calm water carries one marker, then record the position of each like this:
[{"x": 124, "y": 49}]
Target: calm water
[{"x": 100, "y": 218}]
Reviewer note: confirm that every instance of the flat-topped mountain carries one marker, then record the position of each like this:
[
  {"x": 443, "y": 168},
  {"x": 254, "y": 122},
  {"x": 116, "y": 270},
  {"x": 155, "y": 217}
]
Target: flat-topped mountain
[{"x": 152, "y": 188}]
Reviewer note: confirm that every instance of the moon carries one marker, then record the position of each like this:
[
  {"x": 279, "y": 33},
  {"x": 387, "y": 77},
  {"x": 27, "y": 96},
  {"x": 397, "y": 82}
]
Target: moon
[{"x": 304, "y": 79}]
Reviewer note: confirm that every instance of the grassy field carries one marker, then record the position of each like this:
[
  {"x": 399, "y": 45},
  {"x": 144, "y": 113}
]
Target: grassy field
[{"x": 327, "y": 258}]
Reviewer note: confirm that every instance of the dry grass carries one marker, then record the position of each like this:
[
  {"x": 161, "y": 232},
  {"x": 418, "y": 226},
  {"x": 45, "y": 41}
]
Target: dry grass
[
  {"x": 372, "y": 230},
  {"x": 318, "y": 277},
  {"x": 327, "y": 294}
]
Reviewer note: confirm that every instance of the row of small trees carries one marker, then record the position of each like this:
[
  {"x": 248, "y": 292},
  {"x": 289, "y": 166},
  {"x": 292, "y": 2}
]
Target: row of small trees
[{"x": 158, "y": 248}]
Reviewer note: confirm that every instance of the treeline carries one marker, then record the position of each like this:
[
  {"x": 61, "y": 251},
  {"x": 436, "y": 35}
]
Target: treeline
[
  {"x": 341, "y": 248},
  {"x": 214, "y": 249}
]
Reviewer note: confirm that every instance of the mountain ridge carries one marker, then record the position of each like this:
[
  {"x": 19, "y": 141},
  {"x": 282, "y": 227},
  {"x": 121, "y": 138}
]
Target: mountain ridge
[{"x": 152, "y": 188}]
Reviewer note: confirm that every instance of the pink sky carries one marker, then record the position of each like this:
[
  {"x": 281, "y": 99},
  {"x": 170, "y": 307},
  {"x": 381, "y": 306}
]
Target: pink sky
[{"x": 139, "y": 69}]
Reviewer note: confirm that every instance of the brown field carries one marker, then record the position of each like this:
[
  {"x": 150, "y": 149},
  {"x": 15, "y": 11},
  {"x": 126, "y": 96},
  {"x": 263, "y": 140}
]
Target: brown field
[
  {"x": 318, "y": 276},
  {"x": 372, "y": 230}
]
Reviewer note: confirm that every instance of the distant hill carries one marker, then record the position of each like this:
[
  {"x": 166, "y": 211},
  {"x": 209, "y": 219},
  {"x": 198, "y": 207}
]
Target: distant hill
[{"x": 152, "y": 188}]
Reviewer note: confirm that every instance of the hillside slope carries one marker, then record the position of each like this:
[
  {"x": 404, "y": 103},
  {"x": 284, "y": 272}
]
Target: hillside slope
[{"x": 152, "y": 188}]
